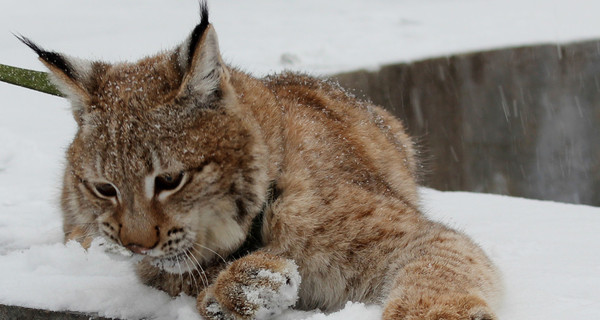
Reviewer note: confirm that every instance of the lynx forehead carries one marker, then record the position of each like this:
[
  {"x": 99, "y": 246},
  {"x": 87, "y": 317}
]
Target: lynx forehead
[{"x": 256, "y": 195}]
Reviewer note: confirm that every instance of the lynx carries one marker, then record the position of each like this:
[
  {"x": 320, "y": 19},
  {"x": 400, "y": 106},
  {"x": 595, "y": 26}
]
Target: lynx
[{"x": 257, "y": 195}]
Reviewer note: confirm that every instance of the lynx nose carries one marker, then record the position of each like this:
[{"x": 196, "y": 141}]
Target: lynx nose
[
  {"x": 137, "y": 248},
  {"x": 139, "y": 240}
]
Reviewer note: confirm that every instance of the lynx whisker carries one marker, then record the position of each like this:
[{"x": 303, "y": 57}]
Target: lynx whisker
[
  {"x": 197, "y": 265},
  {"x": 209, "y": 249},
  {"x": 179, "y": 266},
  {"x": 195, "y": 268},
  {"x": 202, "y": 272},
  {"x": 190, "y": 272}
]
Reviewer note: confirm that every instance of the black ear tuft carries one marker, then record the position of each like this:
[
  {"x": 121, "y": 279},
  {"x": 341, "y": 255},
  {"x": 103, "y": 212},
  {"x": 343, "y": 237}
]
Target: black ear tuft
[
  {"x": 198, "y": 30},
  {"x": 203, "y": 12},
  {"x": 52, "y": 58}
]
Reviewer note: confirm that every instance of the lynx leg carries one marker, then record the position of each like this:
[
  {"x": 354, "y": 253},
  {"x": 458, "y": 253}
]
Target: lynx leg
[
  {"x": 257, "y": 286},
  {"x": 446, "y": 277}
]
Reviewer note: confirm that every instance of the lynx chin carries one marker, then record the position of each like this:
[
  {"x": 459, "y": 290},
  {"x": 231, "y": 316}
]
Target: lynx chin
[{"x": 257, "y": 195}]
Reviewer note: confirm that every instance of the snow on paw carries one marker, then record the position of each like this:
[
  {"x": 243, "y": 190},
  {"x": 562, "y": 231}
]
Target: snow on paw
[
  {"x": 209, "y": 308},
  {"x": 273, "y": 292},
  {"x": 257, "y": 286}
]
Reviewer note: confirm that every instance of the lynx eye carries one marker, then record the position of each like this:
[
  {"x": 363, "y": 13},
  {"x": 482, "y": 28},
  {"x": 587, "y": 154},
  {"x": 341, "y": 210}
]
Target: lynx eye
[
  {"x": 168, "y": 181},
  {"x": 106, "y": 190}
]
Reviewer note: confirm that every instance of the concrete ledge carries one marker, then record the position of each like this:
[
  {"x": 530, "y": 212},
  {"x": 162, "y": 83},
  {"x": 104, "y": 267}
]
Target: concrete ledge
[
  {"x": 520, "y": 121},
  {"x": 21, "y": 313}
]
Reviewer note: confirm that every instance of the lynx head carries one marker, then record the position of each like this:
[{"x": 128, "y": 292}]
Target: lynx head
[{"x": 164, "y": 162}]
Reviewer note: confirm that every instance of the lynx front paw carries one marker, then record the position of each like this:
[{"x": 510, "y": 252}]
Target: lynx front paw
[{"x": 257, "y": 286}]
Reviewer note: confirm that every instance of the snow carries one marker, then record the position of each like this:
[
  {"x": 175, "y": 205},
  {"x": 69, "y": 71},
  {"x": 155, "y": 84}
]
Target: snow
[{"x": 548, "y": 252}]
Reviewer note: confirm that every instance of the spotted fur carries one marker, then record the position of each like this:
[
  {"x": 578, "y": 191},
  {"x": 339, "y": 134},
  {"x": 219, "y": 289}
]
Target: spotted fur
[{"x": 173, "y": 159}]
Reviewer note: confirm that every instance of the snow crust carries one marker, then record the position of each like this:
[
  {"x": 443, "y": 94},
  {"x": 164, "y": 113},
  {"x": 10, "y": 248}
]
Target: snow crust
[{"x": 548, "y": 252}]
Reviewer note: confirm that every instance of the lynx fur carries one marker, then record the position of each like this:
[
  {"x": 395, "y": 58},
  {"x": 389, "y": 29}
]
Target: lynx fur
[{"x": 257, "y": 195}]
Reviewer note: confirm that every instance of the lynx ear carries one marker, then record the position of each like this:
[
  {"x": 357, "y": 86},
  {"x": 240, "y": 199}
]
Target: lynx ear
[
  {"x": 200, "y": 59},
  {"x": 70, "y": 75}
]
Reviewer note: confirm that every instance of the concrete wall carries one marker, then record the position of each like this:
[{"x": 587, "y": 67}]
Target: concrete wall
[{"x": 520, "y": 121}]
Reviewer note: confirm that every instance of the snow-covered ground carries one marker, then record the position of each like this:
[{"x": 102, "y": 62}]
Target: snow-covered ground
[{"x": 548, "y": 252}]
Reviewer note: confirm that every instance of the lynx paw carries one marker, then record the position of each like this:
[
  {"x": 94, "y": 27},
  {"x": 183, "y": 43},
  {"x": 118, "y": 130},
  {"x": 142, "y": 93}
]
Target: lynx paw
[{"x": 257, "y": 286}]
